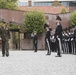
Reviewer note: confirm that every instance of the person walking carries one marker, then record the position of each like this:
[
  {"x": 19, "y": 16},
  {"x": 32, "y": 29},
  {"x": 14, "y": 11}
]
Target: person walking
[
  {"x": 5, "y": 36},
  {"x": 58, "y": 35}
]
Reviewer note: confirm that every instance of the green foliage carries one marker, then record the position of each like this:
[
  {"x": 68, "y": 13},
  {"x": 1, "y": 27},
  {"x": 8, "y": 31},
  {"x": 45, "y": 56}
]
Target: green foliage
[
  {"x": 73, "y": 18},
  {"x": 15, "y": 38},
  {"x": 34, "y": 21},
  {"x": 12, "y": 26},
  {"x": 63, "y": 11},
  {"x": 8, "y": 4}
]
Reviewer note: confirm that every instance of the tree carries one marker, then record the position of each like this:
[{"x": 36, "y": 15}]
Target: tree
[
  {"x": 8, "y": 4},
  {"x": 34, "y": 21},
  {"x": 63, "y": 11},
  {"x": 73, "y": 18}
]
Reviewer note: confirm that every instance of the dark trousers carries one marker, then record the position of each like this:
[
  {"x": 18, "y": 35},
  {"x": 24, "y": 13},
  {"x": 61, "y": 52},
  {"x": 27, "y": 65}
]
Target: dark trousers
[
  {"x": 58, "y": 47},
  {"x": 72, "y": 45},
  {"x": 5, "y": 48},
  {"x": 75, "y": 47},
  {"x": 49, "y": 43},
  {"x": 35, "y": 47},
  {"x": 53, "y": 46},
  {"x": 70, "y": 48}
]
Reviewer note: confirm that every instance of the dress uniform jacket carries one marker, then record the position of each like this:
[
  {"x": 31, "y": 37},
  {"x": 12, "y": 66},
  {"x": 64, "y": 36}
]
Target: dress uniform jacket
[
  {"x": 5, "y": 34},
  {"x": 58, "y": 31}
]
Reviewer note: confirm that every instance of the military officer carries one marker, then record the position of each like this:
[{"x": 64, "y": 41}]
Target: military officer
[
  {"x": 5, "y": 36},
  {"x": 58, "y": 35},
  {"x": 48, "y": 41}
]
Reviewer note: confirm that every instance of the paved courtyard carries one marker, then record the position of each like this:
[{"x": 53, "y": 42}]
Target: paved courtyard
[{"x": 31, "y": 63}]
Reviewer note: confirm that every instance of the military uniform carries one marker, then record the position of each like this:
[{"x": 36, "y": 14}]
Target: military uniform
[
  {"x": 5, "y": 35},
  {"x": 58, "y": 35},
  {"x": 65, "y": 40},
  {"x": 48, "y": 41},
  {"x": 53, "y": 42},
  {"x": 75, "y": 39}
]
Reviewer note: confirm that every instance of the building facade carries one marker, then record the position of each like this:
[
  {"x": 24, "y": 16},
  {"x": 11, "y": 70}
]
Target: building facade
[
  {"x": 46, "y": 3},
  {"x": 25, "y": 42}
]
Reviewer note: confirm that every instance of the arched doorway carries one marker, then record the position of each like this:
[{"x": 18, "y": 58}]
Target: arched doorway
[{"x": 15, "y": 39}]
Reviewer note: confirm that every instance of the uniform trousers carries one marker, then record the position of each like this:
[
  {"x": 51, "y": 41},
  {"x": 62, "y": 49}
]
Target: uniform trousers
[{"x": 5, "y": 48}]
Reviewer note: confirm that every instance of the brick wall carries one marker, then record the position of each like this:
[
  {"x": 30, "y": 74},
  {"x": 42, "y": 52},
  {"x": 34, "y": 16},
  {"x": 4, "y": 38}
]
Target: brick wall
[
  {"x": 72, "y": 8},
  {"x": 17, "y": 16}
]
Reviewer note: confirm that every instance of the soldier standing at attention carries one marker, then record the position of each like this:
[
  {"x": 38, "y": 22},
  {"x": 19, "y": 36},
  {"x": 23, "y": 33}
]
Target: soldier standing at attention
[
  {"x": 48, "y": 41},
  {"x": 5, "y": 36},
  {"x": 58, "y": 35},
  {"x": 75, "y": 38}
]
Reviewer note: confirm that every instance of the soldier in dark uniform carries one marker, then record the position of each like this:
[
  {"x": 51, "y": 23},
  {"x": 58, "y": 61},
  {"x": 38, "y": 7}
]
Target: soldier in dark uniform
[
  {"x": 75, "y": 38},
  {"x": 47, "y": 39},
  {"x": 35, "y": 40},
  {"x": 53, "y": 41},
  {"x": 65, "y": 41},
  {"x": 58, "y": 35},
  {"x": 5, "y": 35},
  {"x": 72, "y": 39}
]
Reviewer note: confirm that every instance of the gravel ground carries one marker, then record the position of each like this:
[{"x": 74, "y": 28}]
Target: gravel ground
[{"x": 31, "y": 63}]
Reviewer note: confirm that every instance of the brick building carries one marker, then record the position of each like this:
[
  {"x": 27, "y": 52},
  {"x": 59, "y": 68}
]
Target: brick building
[
  {"x": 17, "y": 18},
  {"x": 41, "y": 5},
  {"x": 69, "y": 4}
]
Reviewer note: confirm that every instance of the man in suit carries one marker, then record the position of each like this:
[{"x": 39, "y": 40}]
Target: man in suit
[
  {"x": 58, "y": 35},
  {"x": 5, "y": 36}
]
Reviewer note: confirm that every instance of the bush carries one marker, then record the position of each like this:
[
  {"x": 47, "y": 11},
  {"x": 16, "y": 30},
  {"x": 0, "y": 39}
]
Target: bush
[
  {"x": 73, "y": 18},
  {"x": 63, "y": 11},
  {"x": 34, "y": 21}
]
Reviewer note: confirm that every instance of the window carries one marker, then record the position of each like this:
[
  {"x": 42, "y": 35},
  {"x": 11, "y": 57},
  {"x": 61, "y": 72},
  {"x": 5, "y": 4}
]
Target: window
[
  {"x": 22, "y": 3},
  {"x": 27, "y": 35},
  {"x": 42, "y": 3},
  {"x": 72, "y": 3}
]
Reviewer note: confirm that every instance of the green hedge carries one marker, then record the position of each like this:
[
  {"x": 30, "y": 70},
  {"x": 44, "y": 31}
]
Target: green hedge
[
  {"x": 73, "y": 18},
  {"x": 34, "y": 21}
]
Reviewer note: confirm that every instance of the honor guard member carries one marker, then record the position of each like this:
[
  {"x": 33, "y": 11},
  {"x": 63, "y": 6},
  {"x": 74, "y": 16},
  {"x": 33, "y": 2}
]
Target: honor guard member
[
  {"x": 72, "y": 38},
  {"x": 69, "y": 39},
  {"x": 5, "y": 36},
  {"x": 47, "y": 39},
  {"x": 58, "y": 36},
  {"x": 65, "y": 41},
  {"x": 35, "y": 40},
  {"x": 53, "y": 41},
  {"x": 75, "y": 38}
]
